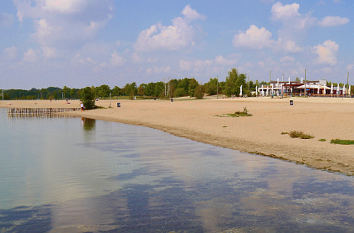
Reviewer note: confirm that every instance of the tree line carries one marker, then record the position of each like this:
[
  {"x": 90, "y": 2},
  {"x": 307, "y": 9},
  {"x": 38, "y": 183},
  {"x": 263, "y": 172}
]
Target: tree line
[{"x": 174, "y": 88}]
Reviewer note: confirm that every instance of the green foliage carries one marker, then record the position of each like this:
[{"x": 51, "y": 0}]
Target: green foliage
[
  {"x": 211, "y": 86},
  {"x": 199, "y": 92},
  {"x": 141, "y": 89},
  {"x": 322, "y": 140},
  {"x": 342, "y": 142},
  {"x": 190, "y": 87},
  {"x": 88, "y": 98},
  {"x": 233, "y": 83},
  {"x": 240, "y": 114},
  {"x": 283, "y": 133},
  {"x": 130, "y": 90},
  {"x": 299, "y": 134},
  {"x": 116, "y": 91},
  {"x": 179, "y": 92},
  {"x": 244, "y": 113},
  {"x": 102, "y": 91}
]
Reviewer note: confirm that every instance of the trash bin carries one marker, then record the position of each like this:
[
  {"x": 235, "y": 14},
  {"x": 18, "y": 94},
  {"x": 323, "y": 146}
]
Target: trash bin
[
  {"x": 171, "y": 99},
  {"x": 291, "y": 102},
  {"x": 118, "y": 105}
]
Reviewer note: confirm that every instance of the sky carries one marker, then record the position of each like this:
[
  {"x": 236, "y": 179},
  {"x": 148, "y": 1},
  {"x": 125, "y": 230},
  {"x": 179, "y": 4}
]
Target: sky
[{"x": 81, "y": 43}]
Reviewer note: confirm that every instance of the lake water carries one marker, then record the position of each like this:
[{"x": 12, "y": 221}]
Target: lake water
[{"x": 81, "y": 175}]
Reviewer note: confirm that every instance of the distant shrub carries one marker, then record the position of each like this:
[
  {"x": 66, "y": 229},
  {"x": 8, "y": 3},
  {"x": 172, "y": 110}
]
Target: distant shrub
[
  {"x": 342, "y": 142},
  {"x": 299, "y": 134},
  {"x": 322, "y": 140},
  {"x": 179, "y": 92},
  {"x": 199, "y": 93},
  {"x": 282, "y": 133},
  {"x": 88, "y": 98},
  {"x": 240, "y": 114}
]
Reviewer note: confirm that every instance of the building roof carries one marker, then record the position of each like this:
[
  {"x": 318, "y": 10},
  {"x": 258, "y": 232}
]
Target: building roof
[{"x": 313, "y": 86}]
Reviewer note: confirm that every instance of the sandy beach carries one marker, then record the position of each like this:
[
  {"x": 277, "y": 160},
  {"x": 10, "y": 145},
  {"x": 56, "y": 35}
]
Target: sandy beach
[{"x": 201, "y": 120}]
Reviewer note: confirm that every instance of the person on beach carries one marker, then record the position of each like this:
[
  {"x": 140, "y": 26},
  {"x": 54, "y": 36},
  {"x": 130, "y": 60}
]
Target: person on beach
[{"x": 82, "y": 107}]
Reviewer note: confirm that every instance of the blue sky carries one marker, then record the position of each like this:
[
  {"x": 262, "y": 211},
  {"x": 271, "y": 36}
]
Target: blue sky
[{"x": 90, "y": 42}]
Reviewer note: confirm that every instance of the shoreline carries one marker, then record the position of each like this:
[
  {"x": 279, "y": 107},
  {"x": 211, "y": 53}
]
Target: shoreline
[
  {"x": 259, "y": 134},
  {"x": 215, "y": 141}
]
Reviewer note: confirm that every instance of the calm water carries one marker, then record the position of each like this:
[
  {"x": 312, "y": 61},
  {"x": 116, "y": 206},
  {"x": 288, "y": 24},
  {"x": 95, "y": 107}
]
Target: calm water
[{"x": 73, "y": 175}]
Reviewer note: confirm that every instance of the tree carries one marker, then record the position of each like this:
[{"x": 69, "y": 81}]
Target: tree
[
  {"x": 66, "y": 92},
  {"x": 103, "y": 91},
  {"x": 159, "y": 89},
  {"x": 172, "y": 84},
  {"x": 211, "y": 86},
  {"x": 179, "y": 92},
  {"x": 130, "y": 90},
  {"x": 199, "y": 92},
  {"x": 116, "y": 91},
  {"x": 141, "y": 89},
  {"x": 193, "y": 84},
  {"x": 233, "y": 83},
  {"x": 88, "y": 98}
]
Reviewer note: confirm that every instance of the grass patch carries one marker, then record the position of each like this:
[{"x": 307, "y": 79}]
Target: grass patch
[
  {"x": 300, "y": 134},
  {"x": 322, "y": 140},
  {"x": 342, "y": 142},
  {"x": 240, "y": 114}
]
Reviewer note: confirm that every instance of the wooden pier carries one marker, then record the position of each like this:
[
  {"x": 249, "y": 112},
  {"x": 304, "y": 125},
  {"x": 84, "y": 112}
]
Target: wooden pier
[{"x": 38, "y": 112}]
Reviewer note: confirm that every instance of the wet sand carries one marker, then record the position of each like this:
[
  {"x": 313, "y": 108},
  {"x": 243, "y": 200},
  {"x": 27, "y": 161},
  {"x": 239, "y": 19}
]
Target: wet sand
[{"x": 200, "y": 120}]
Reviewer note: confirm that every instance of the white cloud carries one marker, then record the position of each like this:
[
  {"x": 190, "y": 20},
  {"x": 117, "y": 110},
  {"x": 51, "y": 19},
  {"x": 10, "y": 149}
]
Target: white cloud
[
  {"x": 49, "y": 52},
  {"x": 254, "y": 37},
  {"x": 331, "y": 21},
  {"x": 218, "y": 63},
  {"x": 287, "y": 59},
  {"x": 327, "y": 52},
  {"x": 280, "y": 11},
  {"x": 10, "y": 53},
  {"x": 180, "y": 34},
  {"x": 350, "y": 67},
  {"x": 64, "y": 6},
  {"x": 288, "y": 45},
  {"x": 291, "y": 18},
  {"x": 30, "y": 56},
  {"x": 259, "y": 38},
  {"x": 158, "y": 69},
  {"x": 191, "y": 14},
  {"x": 117, "y": 60},
  {"x": 64, "y": 23}
]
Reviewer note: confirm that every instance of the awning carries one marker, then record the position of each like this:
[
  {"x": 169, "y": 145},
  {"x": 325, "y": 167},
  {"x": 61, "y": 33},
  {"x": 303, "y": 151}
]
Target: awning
[{"x": 313, "y": 86}]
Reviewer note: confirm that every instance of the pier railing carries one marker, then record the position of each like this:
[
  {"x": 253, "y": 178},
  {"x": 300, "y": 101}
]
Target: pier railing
[{"x": 38, "y": 112}]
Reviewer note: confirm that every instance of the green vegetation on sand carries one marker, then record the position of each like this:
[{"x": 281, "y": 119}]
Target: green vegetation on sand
[
  {"x": 236, "y": 114},
  {"x": 342, "y": 142},
  {"x": 300, "y": 134}
]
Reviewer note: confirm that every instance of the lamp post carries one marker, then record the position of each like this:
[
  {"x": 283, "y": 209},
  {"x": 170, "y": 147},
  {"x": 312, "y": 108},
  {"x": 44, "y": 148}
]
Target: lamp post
[{"x": 217, "y": 88}]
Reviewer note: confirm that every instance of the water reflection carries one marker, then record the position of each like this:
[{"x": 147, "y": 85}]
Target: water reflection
[
  {"x": 88, "y": 124},
  {"x": 134, "y": 179}
]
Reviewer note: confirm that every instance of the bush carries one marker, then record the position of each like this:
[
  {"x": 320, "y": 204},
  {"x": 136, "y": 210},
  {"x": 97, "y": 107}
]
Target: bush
[
  {"x": 240, "y": 114},
  {"x": 199, "y": 93},
  {"x": 88, "y": 98},
  {"x": 299, "y": 134},
  {"x": 179, "y": 92},
  {"x": 322, "y": 140},
  {"x": 342, "y": 142}
]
